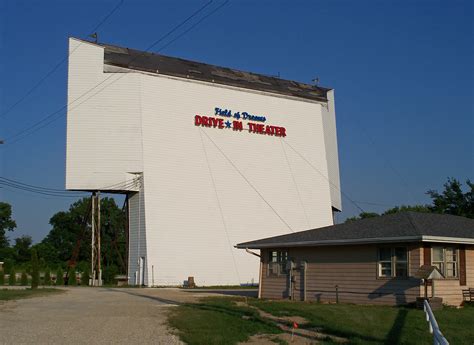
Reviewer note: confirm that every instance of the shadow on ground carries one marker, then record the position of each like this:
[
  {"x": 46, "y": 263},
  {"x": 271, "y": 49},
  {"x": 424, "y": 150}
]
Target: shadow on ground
[{"x": 224, "y": 292}]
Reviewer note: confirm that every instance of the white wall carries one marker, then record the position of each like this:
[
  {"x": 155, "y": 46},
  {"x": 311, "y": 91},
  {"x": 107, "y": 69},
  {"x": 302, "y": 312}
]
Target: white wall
[
  {"x": 137, "y": 240},
  {"x": 332, "y": 156},
  {"x": 194, "y": 205},
  {"x": 103, "y": 122},
  {"x": 185, "y": 230}
]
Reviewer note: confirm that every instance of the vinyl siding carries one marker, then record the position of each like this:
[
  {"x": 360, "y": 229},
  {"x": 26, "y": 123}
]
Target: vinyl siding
[
  {"x": 189, "y": 181},
  {"x": 332, "y": 157},
  {"x": 137, "y": 240},
  {"x": 103, "y": 123},
  {"x": 352, "y": 268},
  {"x": 450, "y": 289},
  {"x": 195, "y": 205}
]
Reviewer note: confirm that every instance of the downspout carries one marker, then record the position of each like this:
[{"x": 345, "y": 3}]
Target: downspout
[
  {"x": 304, "y": 286},
  {"x": 260, "y": 273},
  {"x": 250, "y": 252}
]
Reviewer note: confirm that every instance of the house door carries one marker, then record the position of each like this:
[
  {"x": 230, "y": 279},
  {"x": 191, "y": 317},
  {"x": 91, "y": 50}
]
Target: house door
[
  {"x": 141, "y": 270},
  {"x": 298, "y": 284}
]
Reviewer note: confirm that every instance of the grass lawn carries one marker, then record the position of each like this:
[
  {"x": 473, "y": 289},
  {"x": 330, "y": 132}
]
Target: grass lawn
[
  {"x": 457, "y": 325},
  {"x": 227, "y": 287},
  {"x": 12, "y": 294},
  {"x": 218, "y": 320}
]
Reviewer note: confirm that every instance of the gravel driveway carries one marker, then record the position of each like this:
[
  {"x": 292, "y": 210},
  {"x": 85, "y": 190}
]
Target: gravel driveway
[
  {"x": 98, "y": 316},
  {"x": 90, "y": 316}
]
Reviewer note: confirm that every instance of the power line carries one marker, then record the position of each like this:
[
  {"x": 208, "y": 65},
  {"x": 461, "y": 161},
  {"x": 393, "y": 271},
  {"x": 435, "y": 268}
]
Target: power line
[
  {"x": 220, "y": 207},
  {"x": 325, "y": 177},
  {"x": 37, "y": 191},
  {"x": 374, "y": 204},
  {"x": 59, "y": 64},
  {"x": 30, "y": 186},
  {"x": 388, "y": 162},
  {"x": 50, "y": 118},
  {"x": 194, "y": 25},
  {"x": 58, "y": 192},
  {"x": 248, "y": 182},
  {"x": 296, "y": 185}
]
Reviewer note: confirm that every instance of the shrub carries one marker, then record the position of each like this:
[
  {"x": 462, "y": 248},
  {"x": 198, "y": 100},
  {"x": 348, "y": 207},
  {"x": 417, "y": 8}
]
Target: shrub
[
  {"x": 59, "y": 277},
  {"x": 47, "y": 278},
  {"x": 34, "y": 270},
  {"x": 72, "y": 279},
  {"x": 109, "y": 273},
  {"x": 24, "y": 279},
  {"x": 85, "y": 277},
  {"x": 8, "y": 266},
  {"x": 12, "y": 278},
  {"x": 2, "y": 278}
]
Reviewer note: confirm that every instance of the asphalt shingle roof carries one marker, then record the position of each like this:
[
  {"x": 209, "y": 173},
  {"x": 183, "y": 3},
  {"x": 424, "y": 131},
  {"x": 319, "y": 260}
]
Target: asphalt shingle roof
[
  {"x": 411, "y": 226},
  {"x": 172, "y": 66}
]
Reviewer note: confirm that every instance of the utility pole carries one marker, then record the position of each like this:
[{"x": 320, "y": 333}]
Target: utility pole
[{"x": 96, "y": 269}]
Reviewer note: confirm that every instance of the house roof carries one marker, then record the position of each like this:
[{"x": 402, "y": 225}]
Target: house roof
[
  {"x": 172, "y": 66},
  {"x": 398, "y": 227}
]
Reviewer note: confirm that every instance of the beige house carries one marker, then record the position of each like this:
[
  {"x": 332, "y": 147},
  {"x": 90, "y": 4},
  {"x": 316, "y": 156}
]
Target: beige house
[{"x": 370, "y": 261}]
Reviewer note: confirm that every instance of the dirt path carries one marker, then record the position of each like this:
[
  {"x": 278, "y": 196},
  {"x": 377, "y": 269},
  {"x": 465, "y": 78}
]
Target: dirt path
[{"x": 297, "y": 336}]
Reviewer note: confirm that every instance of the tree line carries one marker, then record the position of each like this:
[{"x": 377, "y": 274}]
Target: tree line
[
  {"x": 452, "y": 200},
  {"x": 71, "y": 232}
]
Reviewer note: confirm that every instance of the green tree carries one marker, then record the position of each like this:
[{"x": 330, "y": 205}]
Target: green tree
[
  {"x": 72, "y": 279},
  {"x": 2, "y": 278},
  {"x": 59, "y": 277},
  {"x": 453, "y": 200},
  {"x": 22, "y": 249},
  {"x": 12, "y": 277},
  {"x": 405, "y": 208},
  {"x": 109, "y": 274},
  {"x": 72, "y": 230},
  {"x": 363, "y": 215},
  {"x": 24, "y": 279},
  {"x": 85, "y": 277},
  {"x": 8, "y": 266},
  {"x": 47, "y": 278},
  {"x": 6, "y": 223},
  {"x": 34, "y": 270}
]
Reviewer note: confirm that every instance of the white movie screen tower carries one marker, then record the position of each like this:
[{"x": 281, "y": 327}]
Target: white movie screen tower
[{"x": 208, "y": 157}]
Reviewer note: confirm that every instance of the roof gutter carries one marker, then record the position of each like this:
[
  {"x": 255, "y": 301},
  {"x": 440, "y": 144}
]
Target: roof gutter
[
  {"x": 330, "y": 242},
  {"x": 440, "y": 239},
  {"x": 443, "y": 239}
]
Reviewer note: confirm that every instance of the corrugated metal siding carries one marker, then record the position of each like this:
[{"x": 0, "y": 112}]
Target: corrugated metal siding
[{"x": 353, "y": 269}]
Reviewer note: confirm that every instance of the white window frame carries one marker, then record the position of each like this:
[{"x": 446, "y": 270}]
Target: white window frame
[
  {"x": 393, "y": 262},
  {"x": 277, "y": 267},
  {"x": 444, "y": 263}
]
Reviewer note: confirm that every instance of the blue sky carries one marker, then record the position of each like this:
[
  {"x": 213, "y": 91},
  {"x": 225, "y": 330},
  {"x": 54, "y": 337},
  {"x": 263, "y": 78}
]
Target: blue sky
[{"x": 402, "y": 71}]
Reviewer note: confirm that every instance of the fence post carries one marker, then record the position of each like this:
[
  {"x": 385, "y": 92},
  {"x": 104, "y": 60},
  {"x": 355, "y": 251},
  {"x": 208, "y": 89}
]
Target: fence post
[{"x": 337, "y": 294}]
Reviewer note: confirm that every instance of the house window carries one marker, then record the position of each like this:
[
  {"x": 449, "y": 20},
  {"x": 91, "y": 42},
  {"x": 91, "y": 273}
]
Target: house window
[
  {"x": 446, "y": 260},
  {"x": 277, "y": 262},
  {"x": 393, "y": 262}
]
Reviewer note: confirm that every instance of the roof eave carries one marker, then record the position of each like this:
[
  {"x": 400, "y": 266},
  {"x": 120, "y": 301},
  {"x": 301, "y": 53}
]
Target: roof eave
[
  {"x": 330, "y": 242},
  {"x": 445, "y": 239},
  {"x": 439, "y": 239}
]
